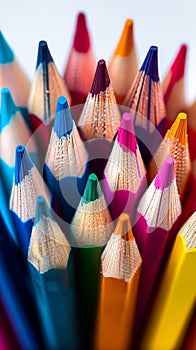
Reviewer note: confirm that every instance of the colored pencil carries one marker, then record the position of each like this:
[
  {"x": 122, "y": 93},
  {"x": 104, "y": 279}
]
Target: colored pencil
[
  {"x": 91, "y": 226},
  {"x": 175, "y": 144},
  {"x": 13, "y": 76},
  {"x": 124, "y": 175},
  {"x": 145, "y": 100},
  {"x": 173, "y": 85},
  {"x": 121, "y": 265},
  {"x": 48, "y": 255},
  {"x": 80, "y": 66},
  {"x": 100, "y": 117},
  {"x": 13, "y": 131},
  {"x": 190, "y": 338},
  {"x": 123, "y": 65},
  {"x": 46, "y": 87},
  {"x": 66, "y": 165},
  {"x": 8, "y": 340},
  {"x": 157, "y": 213},
  {"x": 191, "y": 119},
  {"x": 15, "y": 294},
  {"x": 175, "y": 300},
  {"x": 27, "y": 185}
]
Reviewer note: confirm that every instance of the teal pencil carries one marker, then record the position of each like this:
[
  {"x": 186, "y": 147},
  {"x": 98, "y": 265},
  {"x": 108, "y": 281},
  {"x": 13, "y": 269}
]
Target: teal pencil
[{"x": 48, "y": 256}]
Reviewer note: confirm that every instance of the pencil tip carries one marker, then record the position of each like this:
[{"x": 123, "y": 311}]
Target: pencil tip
[
  {"x": 150, "y": 64},
  {"x": 126, "y": 41},
  {"x": 6, "y": 53},
  {"x": 23, "y": 164},
  {"x": 81, "y": 39},
  {"x": 101, "y": 79},
  {"x": 123, "y": 227},
  {"x": 8, "y": 107},
  {"x": 41, "y": 209},
  {"x": 63, "y": 123},
  {"x": 92, "y": 190},
  {"x": 178, "y": 65},
  {"x": 165, "y": 175},
  {"x": 44, "y": 55},
  {"x": 126, "y": 133},
  {"x": 178, "y": 129}
]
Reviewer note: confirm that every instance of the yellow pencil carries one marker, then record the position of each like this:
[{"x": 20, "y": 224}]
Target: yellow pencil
[
  {"x": 121, "y": 265},
  {"x": 175, "y": 300}
]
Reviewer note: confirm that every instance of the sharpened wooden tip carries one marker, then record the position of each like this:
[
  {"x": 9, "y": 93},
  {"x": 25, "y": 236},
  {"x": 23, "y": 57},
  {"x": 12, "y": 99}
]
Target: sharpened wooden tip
[
  {"x": 123, "y": 227},
  {"x": 126, "y": 41},
  {"x": 178, "y": 129}
]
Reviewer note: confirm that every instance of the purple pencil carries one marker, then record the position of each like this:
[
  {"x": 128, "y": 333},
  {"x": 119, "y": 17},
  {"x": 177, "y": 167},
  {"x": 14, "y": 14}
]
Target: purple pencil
[
  {"x": 157, "y": 214},
  {"x": 124, "y": 175}
]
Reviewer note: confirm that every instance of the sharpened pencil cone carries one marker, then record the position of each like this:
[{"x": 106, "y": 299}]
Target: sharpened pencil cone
[
  {"x": 123, "y": 227},
  {"x": 6, "y": 53},
  {"x": 81, "y": 39},
  {"x": 44, "y": 55},
  {"x": 101, "y": 80},
  {"x": 126, "y": 134},
  {"x": 150, "y": 64},
  {"x": 63, "y": 123},
  {"x": 178, "y": 129},
  {"x": 126, "y": 42},
  {"x": 92, "y": 190},
  {"x": 8, "y": 107},
  {"x": 165, "y": 176},
  {"x": 41, "y": 210},
  {"x": 23, "y": 164}
]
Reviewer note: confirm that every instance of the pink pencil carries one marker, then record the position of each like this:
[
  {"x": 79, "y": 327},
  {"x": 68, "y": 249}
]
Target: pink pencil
[
  {"x": 157, "y": 213},
  {"x": 124, "y": 175}
]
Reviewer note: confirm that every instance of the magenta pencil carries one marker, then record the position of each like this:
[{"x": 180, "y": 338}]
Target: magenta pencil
[
  {"x": 8, "y": 339},
  {"x": 157, "y": 212},
  {"x": 125, "y": 174}
]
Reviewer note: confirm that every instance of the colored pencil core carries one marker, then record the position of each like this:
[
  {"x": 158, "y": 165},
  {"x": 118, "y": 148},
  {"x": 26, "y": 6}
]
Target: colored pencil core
[
  {"x": 150, "y": 64},
  {"x": 126, "y": 134},
  {"x": 41, "y": 210},
  {"x": 8, "y": 107},
  {"x": 92, "y": 190},
  {"x": 178, "y": 129},
  {"x": 165, "y": 176},
  {"x": 23, "y": 164},
  {"x": 6, "y": 53},
  {"x": 63, "y": 123},
  {"x": 81, "y": 39},
  {"x": 44, "y": 55},
  {"x": 123, "y": 227},
  {"x": 126, "y": 42},
  {"x": 101, "y": 80}
]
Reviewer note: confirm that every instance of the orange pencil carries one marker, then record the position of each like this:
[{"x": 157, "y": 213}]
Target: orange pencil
[
  {"x": 175, "y": 144},
  {"x": 123, "y": 65},
  {"x": 80, "y": 67},
  {"x": 173, "y": 85},
  {"x": 121, "y": 265}
]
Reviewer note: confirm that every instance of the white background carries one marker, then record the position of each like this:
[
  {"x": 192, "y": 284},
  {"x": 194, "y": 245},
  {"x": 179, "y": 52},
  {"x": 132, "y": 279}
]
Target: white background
[{"x": 164, "y": 23}]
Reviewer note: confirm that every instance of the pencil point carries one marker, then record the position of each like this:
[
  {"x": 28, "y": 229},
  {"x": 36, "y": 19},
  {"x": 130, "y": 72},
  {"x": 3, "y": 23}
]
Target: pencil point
[
  {"x": 44, "y": 55},
  {"x": 165, "y": 175},
  {"x": 23, "y": 164},
  {"x": 92, "y": 190},
  {"x": 178, "y": 129},
  {"x": 41, "y": 209},
  {"x": 150, "y": 64},
  {"x": 8, "y": 107},
  {"x": 63, "y": 123},
  {"x": 126, "y": 41},
  {"x": 6, "y": 53},
  {"x": 178, "y": 65},
  {"x": 126, "y": 134},
  {"x": 123, "y": 227},
  {"x": 81, "y": 39},
  {"x": 101, "y": 79}
]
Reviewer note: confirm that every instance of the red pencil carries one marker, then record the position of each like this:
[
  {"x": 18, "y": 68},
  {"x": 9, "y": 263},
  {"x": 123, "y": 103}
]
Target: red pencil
[{"x": 80, "y": 67}]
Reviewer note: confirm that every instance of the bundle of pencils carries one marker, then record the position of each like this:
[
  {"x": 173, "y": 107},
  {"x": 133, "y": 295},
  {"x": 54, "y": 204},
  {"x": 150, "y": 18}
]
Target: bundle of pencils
[{"x": 98, "y": 204}]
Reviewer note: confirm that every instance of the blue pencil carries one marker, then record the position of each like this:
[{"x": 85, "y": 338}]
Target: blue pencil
[
  {"x": 13, "y": 77},
  {"x": 13, "y": 131},
  {"x": 15, "y": 293},
  {"x": 28, "y": 184},
  {"x": 66, "y": 165},
  {"x": 48, "y": 256}
]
